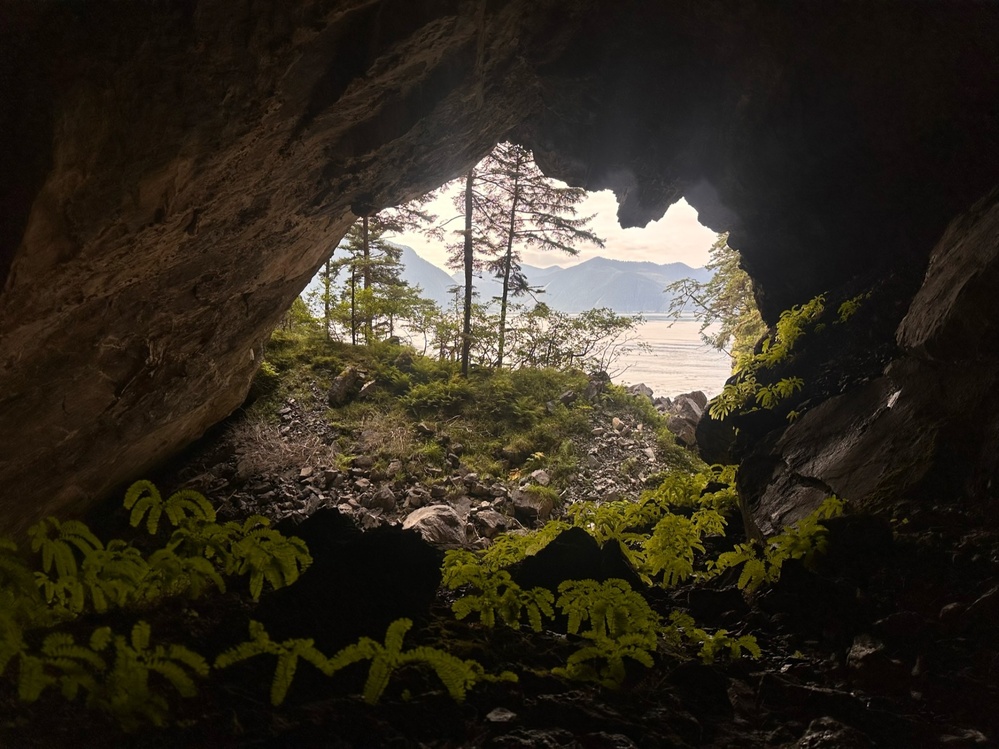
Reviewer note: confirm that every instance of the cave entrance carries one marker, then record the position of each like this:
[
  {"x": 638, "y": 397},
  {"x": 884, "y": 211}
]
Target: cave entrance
[{"x": 628, "y": 275}]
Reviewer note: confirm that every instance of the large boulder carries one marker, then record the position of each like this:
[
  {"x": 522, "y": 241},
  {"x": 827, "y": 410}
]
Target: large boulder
[
  {"x": 683, "y": 414},
  {"x": 346, "y": 386},
  {"x": 359, "y": 582},
  {"x": 438, "y": 524}
]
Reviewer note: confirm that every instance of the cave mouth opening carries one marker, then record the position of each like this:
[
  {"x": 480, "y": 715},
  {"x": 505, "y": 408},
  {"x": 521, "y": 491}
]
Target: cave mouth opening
[{"x": 630, "y": 274}]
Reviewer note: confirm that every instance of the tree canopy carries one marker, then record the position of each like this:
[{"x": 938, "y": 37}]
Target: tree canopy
[{"x": 725, "y": 301}]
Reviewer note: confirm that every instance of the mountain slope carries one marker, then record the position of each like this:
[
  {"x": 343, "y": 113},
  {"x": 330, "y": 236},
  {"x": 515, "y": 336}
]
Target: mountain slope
[
  {"x": 622, "y": 285},
  {"x": 432, "y": 280}
]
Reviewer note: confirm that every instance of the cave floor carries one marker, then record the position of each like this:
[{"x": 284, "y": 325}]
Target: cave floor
[{"x": 882, "y": 646}]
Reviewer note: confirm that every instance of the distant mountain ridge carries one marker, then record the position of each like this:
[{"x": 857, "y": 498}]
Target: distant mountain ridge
[{"x": 625, "y": 286}]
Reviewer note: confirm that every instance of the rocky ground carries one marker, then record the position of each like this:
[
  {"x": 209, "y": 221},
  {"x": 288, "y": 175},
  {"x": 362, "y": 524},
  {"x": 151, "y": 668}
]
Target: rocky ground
[
  {"x": 451, "y": 508},
  {"x": 891, "y": 643}
]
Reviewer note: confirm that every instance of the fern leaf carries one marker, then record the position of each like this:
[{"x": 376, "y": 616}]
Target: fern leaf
[
  {"x": 140, "y": 635},
  {"x": 177, "y": 677},
  {"x": 284, "y": 673},
  {"x": 79, "y": 535},
  {"x": 144, "y": 500},
  {"x": 364, "y": 649},
  {"x": 378, "y": 679},
  {"x": 754, "y": 574},
  {"x": 396, "y": 633},
  {"x": 188, "y": 504},
  {"x": 32, "y": 679},
  {"x": 100, "y": 639}
]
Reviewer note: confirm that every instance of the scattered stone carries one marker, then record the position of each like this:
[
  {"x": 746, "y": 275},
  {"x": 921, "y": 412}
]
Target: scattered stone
[
  {"x": 346, "y": 386},
  {"x": 438, "y": 524},
  {"x": 361, "y": 484},
  {"x": 366, "y": 389},
  {"x": 662, "y": 403},
  {"x": 641, "y": 390},
  {"x": 984, "y": 611},
  {"x": 863, "y": 649},
  {"x": 530, "y": 508},
  {"x": 500, "y": 715},
  {"x": 490, "y": 523},
  {"x": 383, "y": 498},
  {"x": 573, "y": 555},
  {"x": 524, "y": 738},
  {"x": 568, "y": 398},
  {"x": 363, "y": 461},
  {"x": 305, "y": 472},
  {"x": 598, "y": 382},
  {"x": 965, "y": 737},
  {"x": 829, "y": 733},
  {"x": 541, "y": 477}
]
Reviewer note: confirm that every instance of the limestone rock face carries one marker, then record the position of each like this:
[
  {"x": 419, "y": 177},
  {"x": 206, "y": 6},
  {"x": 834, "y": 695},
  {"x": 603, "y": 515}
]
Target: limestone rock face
[
  {"x": 182, "y": 179},
  {"x": 175, "y": 173},
  {"x": 930, "y": 427}
]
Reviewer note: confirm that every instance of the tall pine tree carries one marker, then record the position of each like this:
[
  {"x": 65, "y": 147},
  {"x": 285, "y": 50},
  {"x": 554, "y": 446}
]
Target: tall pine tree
[{"x": 509, "y": 206}]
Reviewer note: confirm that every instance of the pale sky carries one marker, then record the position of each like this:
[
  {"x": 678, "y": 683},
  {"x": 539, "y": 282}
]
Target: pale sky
[{"x": 676, "y": 237}]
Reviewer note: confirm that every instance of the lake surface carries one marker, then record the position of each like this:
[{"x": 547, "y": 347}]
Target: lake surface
[{"x": 678, "y": 361}]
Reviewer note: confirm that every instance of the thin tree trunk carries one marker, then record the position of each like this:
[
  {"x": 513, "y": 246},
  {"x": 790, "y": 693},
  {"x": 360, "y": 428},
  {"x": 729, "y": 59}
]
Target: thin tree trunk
[
  {"x": 466, "y": 326},
  {"x": 508, "y": 261},
  {"x": 366, "y": 276},
  {"x": 353, "y": 305},
  {"x": 326, "y": 297}
]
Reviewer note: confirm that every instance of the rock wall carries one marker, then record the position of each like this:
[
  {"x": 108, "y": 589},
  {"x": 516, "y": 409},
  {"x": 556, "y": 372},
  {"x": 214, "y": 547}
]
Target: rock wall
[
  {"x": 926, "y": 430},
  {"x": 177, "y": 171}
]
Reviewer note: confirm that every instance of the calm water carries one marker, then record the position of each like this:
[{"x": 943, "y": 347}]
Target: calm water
[{"x": 678, "y": 362}]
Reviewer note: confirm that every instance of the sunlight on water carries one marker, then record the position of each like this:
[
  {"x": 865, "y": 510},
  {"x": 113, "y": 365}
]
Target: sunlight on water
[{"x": 678, "y": 362}]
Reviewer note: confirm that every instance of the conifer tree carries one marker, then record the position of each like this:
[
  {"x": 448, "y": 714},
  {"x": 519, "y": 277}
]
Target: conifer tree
[
  {"x": 509, "y": 206},
  {"x": 375, "y": 286},
  {"x": 726, "y": 299}
]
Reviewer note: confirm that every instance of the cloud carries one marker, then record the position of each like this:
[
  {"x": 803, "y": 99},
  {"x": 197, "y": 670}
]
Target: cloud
[{"x": 676, "y": 237}]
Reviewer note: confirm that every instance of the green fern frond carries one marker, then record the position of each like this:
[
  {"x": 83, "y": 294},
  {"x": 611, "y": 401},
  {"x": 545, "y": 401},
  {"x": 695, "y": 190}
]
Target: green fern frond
[
  {"x": 288, "y": 654},
  {"x": 126, "y": 691},
  {"x": 145, "y": 501},
  {"x": 32, "y": 679},
  {"x": 266, "y": 555},
  {"x": 671, "y": 547},
  {"x": 58, "y": 550},
  {"x": 683, "y": 631},
  {"x": 11, "y": 640},
  {"x": 188, "y": 504},
  {"x": 458, "y": 676}
]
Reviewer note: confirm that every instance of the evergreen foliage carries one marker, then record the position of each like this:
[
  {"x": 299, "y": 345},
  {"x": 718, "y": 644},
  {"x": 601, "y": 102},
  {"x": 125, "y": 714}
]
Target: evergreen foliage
[
  {"x": 288, "y": 654},
  {"x": 80, "y": 574},
  {"x": 144, "y": 500},
  {"x": 457, "y": 675},
  {"x": 682, "y": 631},
  {"x": 774, "y": 349},
  {"x": 509, "y": 205},
  {"x": 622, "y": 625},
  {"x": 498, "y": 595},
  {"x": 761, "y": 563},
  {"x": 726, "y": 302}
]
